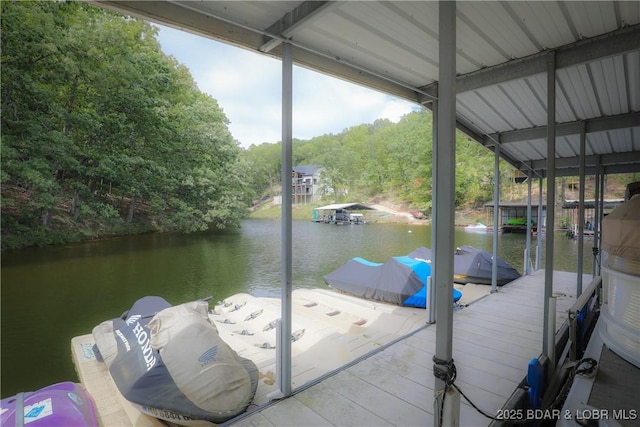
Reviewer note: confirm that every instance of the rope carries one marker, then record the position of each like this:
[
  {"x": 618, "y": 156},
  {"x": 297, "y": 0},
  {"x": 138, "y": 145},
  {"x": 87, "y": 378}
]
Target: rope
[
  {"x": 448, "y": 376},
  {"x": 587, "y": 370}
]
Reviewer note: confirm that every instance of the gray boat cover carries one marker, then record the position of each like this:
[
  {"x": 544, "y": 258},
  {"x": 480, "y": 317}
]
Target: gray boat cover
[
  {"x": 621, "y": 230},
  {"x": 173, "y": 364},
  {"x": 393, "y": 282},
  {"x": 473, "y": 265}
]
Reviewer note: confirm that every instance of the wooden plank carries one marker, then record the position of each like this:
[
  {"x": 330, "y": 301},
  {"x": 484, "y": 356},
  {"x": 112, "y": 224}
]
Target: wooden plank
[
  {"x": 484, "y": 332},
  {"x": 392, "y": 409},
  {"x": 254, "y": 420},
  {"x": 616, "y": 388},
  {"x": 336, "y": 409},
  {"x": 400, "y": 378},
  {"x": 495, "y": 323},
  {"x": 292, "y": 412},
  {"x": 485, "y": 381},
  {"x": 468, "y": 341}
]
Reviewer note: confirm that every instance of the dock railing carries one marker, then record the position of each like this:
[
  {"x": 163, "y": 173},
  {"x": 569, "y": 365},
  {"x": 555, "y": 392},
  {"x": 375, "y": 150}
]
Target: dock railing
[
  {"x": 582, "y": 315},
  {"x": 570, "y": 342}
]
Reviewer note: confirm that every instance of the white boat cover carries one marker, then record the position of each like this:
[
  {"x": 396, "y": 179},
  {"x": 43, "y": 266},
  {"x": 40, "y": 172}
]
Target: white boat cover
[{"x": 621, "y": 230}]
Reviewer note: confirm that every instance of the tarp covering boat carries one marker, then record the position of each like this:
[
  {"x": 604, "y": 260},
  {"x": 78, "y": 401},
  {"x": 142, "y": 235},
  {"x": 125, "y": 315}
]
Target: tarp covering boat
[
  {"x": 62, "y": 404},
  {"x": 172, "y": 363},
  {"x": 620, "y": 231},
  {"x": 472, "y": 265},
  {"x": 401, "y": 280}
]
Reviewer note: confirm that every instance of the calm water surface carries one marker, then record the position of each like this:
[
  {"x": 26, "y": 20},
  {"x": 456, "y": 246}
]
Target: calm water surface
[{"x": 50, "y": 295}]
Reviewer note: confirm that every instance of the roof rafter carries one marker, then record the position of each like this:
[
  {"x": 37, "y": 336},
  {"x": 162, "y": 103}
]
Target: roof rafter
[
  {"x": 583, "y": 51},
  {"x": 302, "y": 14},
  {"x": 621, "y": 121},
  {"x": 631, "y": 159}
]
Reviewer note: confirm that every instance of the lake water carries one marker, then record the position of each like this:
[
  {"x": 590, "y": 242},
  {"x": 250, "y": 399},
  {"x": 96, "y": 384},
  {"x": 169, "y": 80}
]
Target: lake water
[{"x": 50, "y": 295}]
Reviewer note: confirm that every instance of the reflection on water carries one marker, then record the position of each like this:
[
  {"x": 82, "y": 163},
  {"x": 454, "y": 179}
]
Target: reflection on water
[{"x": 50, "y": 295}]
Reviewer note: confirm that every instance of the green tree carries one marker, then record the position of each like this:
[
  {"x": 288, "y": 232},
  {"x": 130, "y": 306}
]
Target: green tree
[{"x": 101, "y": 129}]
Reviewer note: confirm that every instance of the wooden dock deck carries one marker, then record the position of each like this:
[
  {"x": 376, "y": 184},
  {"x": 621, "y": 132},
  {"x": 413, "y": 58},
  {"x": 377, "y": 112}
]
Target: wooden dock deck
[{"x": 493, "y": 341}]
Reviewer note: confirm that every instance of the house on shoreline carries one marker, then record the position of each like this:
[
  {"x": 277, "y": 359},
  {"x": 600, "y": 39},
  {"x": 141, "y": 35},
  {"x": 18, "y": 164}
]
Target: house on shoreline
[{"x": 305, "y": 181}]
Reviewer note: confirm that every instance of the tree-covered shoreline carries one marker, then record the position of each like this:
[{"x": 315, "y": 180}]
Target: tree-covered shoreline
[{"x": 103, "y": 134}]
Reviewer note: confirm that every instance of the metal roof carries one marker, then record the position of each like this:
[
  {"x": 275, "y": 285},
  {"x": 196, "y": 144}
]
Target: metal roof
[
  {"x": 309, "y": 170},
  {"x": 345, "y": 206},
  {"x": 502, "y": 53}
]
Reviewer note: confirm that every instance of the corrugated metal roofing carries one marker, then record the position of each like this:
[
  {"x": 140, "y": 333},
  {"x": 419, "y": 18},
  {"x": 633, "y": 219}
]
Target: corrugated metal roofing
[
  {"x": 502, "y": 50},
  {"x": 345, "y": 206}
]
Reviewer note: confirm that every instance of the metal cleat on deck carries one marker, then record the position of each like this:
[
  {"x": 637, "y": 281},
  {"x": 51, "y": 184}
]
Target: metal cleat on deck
[
  {"x": 270, "y": 325},
  {"x": 253, "y": 315},
  {"x": 295, "y": 336}
]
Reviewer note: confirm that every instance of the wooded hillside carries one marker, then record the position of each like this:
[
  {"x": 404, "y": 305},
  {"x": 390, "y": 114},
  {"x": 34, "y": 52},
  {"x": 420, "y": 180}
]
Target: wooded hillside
[
  {"x": 102, "y": 133},
  {"x": 384, "y": 160}
]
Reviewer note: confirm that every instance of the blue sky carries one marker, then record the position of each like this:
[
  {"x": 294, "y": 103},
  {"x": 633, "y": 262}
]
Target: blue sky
[{"x": 247, "y": 86}]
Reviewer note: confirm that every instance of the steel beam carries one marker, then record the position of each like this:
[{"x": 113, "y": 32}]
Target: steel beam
[
  {"x": 602, "y": 124},
  {"x": 587, "y": 50},
  {"x": 620, "y": 159},
  {"x": 186, "y": 17},
  {"x": 285, "y": 26}
]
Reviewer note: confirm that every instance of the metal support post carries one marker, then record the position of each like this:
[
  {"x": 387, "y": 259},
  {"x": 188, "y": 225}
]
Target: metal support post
[
  {"x": 550, "y": 333},
  {"x": 527, "y": 253},
  {"x": 284, "y": 342},
  {"x": 603, "y": 187},
  {"x": 581, "y": 208},
  {"x": 551, "y": 195},
  {"x": 539, "y": 228},
  {"x": 596, "y": 219},
  {"x": 434, "y": 148},
  {"x": 496, "y": 218},
  {"x": 444, "y": 191}
]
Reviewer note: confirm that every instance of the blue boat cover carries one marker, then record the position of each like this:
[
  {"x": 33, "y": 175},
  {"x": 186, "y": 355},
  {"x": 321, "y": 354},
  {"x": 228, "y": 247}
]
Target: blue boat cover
[{"x": 401, "y": 280}]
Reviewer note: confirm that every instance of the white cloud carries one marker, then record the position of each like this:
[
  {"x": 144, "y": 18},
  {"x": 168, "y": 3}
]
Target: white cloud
[{"x": 248, "y": 88}]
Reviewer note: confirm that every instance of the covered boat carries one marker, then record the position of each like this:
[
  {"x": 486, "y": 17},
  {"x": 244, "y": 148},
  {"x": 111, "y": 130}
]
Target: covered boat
[
  {"x": 171, "y": 362},
  {"x": 472, "y": 265},
  {"x": 620, "y": 314},
  {"x": 476, "y": 228},
  {"x": 62, "y": 404},
  {"x": 401, "y": 280}
]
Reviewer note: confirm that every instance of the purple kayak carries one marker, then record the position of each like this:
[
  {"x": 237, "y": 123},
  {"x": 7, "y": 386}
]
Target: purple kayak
[{"x": 62, "y": 404}]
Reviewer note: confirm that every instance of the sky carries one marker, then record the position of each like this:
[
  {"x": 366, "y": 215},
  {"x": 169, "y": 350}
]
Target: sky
[{"x": 247, "y": 86}]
